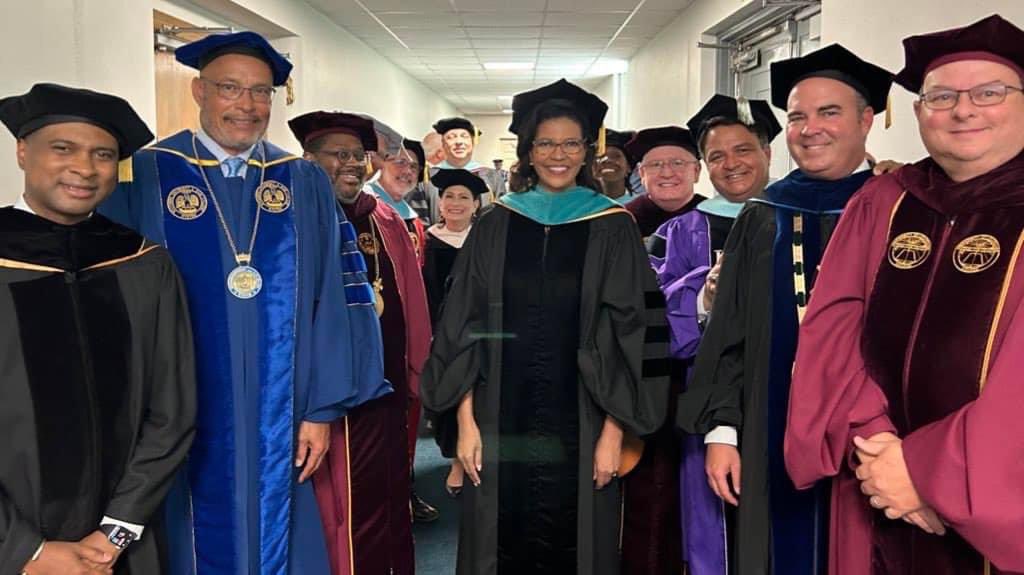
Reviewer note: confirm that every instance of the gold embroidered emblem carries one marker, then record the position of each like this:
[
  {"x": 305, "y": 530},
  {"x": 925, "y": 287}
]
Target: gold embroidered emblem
[
  {"x": 368, "y": 244},
  {"x": 909, "y": 250},
  {"x": 186, "y": 202},
  {"x": 976, "y": 253},
  {"x": 273, "y": 196},
  {"x": 415, "y": 242}
]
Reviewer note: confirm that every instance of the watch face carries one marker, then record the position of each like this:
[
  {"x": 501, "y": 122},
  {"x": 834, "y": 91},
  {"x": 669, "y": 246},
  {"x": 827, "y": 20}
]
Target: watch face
[{"x": 118, "y": 536}]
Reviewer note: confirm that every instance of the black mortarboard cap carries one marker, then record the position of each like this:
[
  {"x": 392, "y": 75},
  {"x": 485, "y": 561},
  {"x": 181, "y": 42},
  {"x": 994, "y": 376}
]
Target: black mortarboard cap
[
  {"x": 445, "y": 178},
  {"x": 47, "y": 104},
  {"x": 650, "y": 138},
  {"x": 833, "y": 62},
  {"x": 589, "y": 105},
  {"x": 991, "y": 38},
  {"x": 619, "y": 139},
  {"x": 315, "y": 124},
  {"x": 757, "y": 115},
  {"x": 201, "y": 52},
  {"x": 448, "y": 124},
  {"x": 421, "y": 156}
]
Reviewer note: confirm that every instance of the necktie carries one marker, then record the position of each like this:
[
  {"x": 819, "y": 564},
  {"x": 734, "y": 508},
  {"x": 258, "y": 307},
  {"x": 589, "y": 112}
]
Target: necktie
[{"x": 234, "y": 165}]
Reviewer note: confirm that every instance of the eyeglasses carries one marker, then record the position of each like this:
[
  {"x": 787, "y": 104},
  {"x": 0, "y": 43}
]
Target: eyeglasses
[
  {"x": 344, "y": 156},
  {"x": 404, "y": 164},
  {"x": 570, "y": 147},
  {"x": 232, "y": 91},
  {"x": 675, "y": 164},
  {"x": 984, "y": 95}
]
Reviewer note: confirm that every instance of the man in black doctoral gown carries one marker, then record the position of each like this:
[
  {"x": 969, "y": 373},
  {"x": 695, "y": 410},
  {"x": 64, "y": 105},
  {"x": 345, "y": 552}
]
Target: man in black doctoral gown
[{"x": 96, "y": 357}]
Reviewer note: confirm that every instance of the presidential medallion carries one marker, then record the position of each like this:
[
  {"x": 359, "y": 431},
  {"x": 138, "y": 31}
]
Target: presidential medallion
[
  {"x": 909, "y": 250},
  {"x": 244, "y": 282},
  {"x": 976, "y": 253},
  {"x": 368, "y": 244},
  {"x": 415, "y": 242},
  {"x": 273, "y": 196},
  {"x": 186, "y": 202}
]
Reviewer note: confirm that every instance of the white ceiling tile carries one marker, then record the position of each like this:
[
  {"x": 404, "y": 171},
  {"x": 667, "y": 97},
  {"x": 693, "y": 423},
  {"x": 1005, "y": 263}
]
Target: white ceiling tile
[
  {"x": 503, "y": 32},
  {"x": 506, "y": 44},
  {"x": 495, "y": 55},
  {"x": 429, "y": 42},
  {"x": 596, "y": 43},
  {"x": 502, "y": 19},
  {"x": 402, "y": 5},
  {"x": 506, "y": 5},
  {"x": 656, "y": 19},
  {"x": 418, "y": 19},
  {"x": 586, "y": 21},
  {"x": 574, "y": 32}
]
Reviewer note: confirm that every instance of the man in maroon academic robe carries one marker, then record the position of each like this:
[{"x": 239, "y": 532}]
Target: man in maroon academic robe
[
  {"x": 907, "y": 380},
  {"x": 671, "y": 192},
  {"x": 363, "y": 490}
]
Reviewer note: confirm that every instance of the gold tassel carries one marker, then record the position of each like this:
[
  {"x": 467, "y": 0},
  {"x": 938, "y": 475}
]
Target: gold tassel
[
  {"x": 888, "y": 112},
  {"x": 124, "y": 171},
  {"x": 476, "y": 136},
  {"x": 369, "y": 168},
  {"x": 289, "y": 88},
  {"x": 426, "y": 173},
  {"x": 601, "y": 134}
]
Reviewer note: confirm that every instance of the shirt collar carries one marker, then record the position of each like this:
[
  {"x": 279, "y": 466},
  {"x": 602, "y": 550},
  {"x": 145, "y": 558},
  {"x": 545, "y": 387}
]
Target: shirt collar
[
  {"x": 22, "y": 205},
  {"x": 219, "y": 152}
]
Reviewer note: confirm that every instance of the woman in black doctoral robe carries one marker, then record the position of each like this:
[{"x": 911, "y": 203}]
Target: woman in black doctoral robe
[
  {"x": 544, "y": 355},
  {"x": 459, "y": 202}
]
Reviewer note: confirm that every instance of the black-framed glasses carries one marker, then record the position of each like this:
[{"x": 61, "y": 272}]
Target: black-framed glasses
[
  {"x": 343, "y": 156},
  {"x": 570, "y": 147},
  {"x": 232, "y": 91},
  {"x": 675, "y": 164},
  {"x": 983, "y": 95}
]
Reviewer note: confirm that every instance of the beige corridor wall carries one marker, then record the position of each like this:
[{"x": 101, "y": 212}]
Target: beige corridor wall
[
  {"x": 670, "y": 78},
  {"x": 108, "y": 45}
]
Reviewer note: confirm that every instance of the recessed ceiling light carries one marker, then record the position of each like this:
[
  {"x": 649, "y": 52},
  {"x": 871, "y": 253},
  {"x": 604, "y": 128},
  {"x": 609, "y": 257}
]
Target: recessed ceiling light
[
  {"x": 507, "y": 111},
  {"x": 508, "y": 65}
]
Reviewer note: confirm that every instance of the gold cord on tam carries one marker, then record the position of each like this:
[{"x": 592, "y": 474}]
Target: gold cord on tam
[
  {"x": 888, "y": 111},
  {"x": 602, "y": 134}
]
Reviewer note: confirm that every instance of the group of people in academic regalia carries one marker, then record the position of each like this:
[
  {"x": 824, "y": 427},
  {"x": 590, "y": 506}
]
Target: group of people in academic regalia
[{"x": 216, "y": 353}]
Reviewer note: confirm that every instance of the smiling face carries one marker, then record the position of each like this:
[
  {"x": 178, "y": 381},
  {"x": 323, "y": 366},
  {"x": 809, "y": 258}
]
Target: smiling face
[
  {"x": 457, "y": 206},
  {"x": 557, "y": 170},
  {"x": 737, "y": 162},
  {"x": 969, "y": 140},
  {"x": 399, "y": 175},
  {"x": 612, "y": 167},
  {"x": 825, "y": 132},
  {"x": 670, "y": 189},
  {"x": 458, "y": 146},
  {"x": 69, "y": 169},
  {"x": 234, "y": 124},
  {"x": 346, "y": 177}
]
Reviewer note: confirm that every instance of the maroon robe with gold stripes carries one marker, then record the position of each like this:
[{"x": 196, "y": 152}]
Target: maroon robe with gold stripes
[
  {"x": 914, "y": 328},
  {"x": 363, "y": 487}
]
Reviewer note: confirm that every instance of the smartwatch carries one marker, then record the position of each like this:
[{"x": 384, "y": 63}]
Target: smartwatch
[{"x": 118, "y": 536}]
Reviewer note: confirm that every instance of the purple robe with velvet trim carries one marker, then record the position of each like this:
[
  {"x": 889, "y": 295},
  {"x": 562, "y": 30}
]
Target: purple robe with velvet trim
[
  {"x": 680, "y": 252},
  {"x": 924, "y": 339}
]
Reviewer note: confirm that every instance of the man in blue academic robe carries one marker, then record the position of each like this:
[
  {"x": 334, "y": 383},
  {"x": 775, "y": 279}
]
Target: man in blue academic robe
[{"x": 286, "y": 340}]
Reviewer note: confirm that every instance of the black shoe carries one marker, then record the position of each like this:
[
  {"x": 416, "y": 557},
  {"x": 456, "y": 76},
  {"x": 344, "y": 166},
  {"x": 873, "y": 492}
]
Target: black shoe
[
  {"x": 453, "y": 490},
  {"x": 422, "y": 512}
]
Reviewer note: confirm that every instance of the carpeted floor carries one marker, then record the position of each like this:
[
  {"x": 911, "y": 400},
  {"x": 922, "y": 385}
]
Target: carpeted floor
[{"x": 436, "y": 541}]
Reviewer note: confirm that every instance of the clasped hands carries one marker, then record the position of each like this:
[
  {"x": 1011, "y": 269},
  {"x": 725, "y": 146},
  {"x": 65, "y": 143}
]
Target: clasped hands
[
  {"x": 884, "y": 478},
  {"x": 91, "y": 556}
]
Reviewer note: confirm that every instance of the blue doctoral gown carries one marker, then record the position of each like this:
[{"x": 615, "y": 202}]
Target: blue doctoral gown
[{"x": 307, "y": 347}]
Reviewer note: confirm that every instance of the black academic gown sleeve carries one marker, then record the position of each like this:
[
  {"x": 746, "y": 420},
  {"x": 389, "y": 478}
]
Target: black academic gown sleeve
[
  {"x": 18, "y": 538},
  {"x": 615, "y": 361},
  {"x": 734, "y": 345},
  {"x": 167, "y": 425}
]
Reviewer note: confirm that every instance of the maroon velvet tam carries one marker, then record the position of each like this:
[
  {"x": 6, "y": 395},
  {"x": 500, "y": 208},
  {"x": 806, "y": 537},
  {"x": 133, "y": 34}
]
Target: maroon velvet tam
[
  {"x": 992, "y": 39},
  {"x": 310, "y": 126},
  {"x": 647, "y": 140}
]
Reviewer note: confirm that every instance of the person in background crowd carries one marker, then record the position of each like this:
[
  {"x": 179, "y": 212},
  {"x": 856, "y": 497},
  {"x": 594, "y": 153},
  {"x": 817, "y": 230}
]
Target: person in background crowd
[{"x": 613, "y": 169}]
